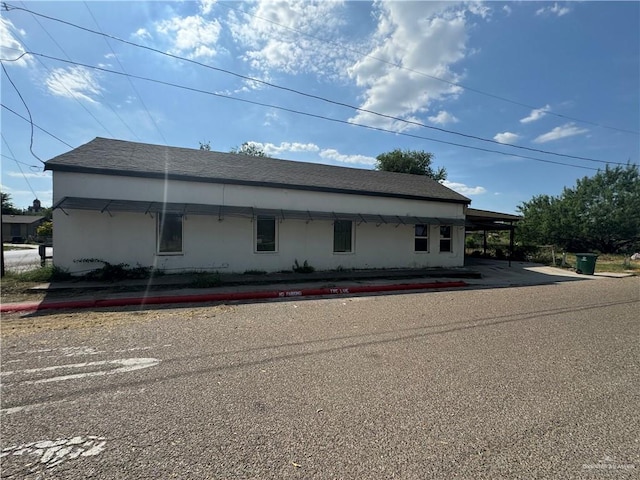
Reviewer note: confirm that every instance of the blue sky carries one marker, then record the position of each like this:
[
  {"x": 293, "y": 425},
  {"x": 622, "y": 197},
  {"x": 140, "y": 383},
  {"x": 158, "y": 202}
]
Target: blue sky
[{"x": 562, "y": 77}]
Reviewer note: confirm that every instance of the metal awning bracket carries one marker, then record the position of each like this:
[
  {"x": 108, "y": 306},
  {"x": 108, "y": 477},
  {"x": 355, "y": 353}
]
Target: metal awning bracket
[{"x": 106, "y": 208}]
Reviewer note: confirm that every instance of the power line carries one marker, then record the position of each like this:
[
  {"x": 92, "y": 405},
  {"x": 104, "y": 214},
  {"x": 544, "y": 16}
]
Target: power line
[
  {"x": 426, "y": 75},
  {"x": 322, "y": 117},
  {"x": 33, "y": 167},
  {"x": 36, "y": 126},
  {"x": 28, "y": 111},
  {"x": 308, "y": 95},
  {"x": 135, "y": 90},
  {"x": 19, "y": 167}
]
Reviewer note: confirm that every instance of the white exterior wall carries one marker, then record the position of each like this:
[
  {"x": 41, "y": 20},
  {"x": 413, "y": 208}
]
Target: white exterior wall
[{"x": 229, "y": 245}]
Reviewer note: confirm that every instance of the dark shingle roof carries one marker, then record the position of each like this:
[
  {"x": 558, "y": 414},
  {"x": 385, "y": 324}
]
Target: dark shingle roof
[
  {"x": 26, "y": 219},
  {"x": 118, "y": 157}
]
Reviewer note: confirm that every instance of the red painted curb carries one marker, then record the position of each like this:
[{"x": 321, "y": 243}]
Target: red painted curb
[{"x": 222, "y": 297}]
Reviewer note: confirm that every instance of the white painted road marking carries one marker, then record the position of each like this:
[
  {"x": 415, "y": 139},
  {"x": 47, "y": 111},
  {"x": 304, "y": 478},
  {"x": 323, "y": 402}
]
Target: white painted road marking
[
  {"x": 124, "y": 365},
  {"x": 54, "y": 452}
]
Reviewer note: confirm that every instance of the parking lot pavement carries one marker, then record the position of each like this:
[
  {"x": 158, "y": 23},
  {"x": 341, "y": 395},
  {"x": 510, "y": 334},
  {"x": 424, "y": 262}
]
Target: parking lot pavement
[{"x": 524, "y": 382}]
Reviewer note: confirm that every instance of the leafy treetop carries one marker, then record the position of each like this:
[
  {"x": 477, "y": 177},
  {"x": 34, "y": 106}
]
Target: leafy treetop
[{"x": 416, "y": 162}]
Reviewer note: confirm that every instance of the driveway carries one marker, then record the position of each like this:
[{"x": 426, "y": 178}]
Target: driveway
[{"x": 525, "y": 382}]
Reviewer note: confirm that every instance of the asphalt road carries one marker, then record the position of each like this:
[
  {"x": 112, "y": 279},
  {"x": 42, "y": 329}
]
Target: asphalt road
[
  {"x": 23, "y": 258},
  {"x": 529, "y": 382}
]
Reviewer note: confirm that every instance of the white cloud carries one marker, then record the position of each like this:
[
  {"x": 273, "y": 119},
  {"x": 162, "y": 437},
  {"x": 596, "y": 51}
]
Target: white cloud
[
  {"x": 270, "y": 36},
  {"x": 442, "y": 118},
  {"x": 536, "y": 114},
  {"x": 464, "y": 189},
  {"x": 10, "y": 47},
  {"x": 507, "y": 9},
  {"x": 73, "y": 82},
  {"x": 275, "y": 150},
  {"x": 556, "y": 10},
  {"x": 479, "y": 8},
  {"x": 29, "y": 174},
  {"x": 333, "y": 154},
  {"x": 206, "y": 6},
  {"x": 142, "y": 33},
  {"x": 566, "y": 130},
  {"x": 506, "y": 137},
  {"x": 191, "y": 37},
  {"x": 420, "y": 37}
]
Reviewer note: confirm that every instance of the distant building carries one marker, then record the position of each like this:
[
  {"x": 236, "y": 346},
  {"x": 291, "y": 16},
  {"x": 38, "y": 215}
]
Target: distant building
[
  {"x": 36, "y": 207},
  {"x": 20, "y": 228}
]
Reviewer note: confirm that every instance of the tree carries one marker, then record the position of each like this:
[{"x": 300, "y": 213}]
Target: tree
[
  {"x": 8, "y": 208},
  {"x": 416, "y": 162},
  {"x": 600, "y": 213},
  {"x": 206, "y": 146},
  {"x": 249, "y": 148},
  {"x": 45, "y": 229}
]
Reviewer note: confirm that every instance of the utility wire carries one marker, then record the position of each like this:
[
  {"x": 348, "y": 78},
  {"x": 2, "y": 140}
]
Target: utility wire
[
  {"x": 423, "y": 74},
  {"x": 33, "y": 167},
  {"x": 28, "y": 111},
  {"x": 322, "y": 117},
  {"x": 133, "y": 87},
  {"x": 13, "y": 157},
  {"x": 308, "y": 95},
  {"x": 36, "y": 126}
]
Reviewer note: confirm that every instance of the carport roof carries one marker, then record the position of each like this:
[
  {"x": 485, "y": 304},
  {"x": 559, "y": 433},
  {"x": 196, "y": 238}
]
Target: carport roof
[{"x": 488, "y": 220}]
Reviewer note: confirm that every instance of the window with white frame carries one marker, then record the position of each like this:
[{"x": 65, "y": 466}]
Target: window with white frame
[
  {"x": 266, "y": 234},
  {"x": 445, "y": 238},
  {"x": 169, "y": 233},
  {"x": 342, "y": 236},
  {"x": 421, "y": 241}
]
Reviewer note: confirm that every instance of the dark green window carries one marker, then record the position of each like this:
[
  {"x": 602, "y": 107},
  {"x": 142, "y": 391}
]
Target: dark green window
[
  {"x": 421, "y": 242},
  {"x": 445, "y": 238},
  {"x": 342, "y": 236},
  {"x": 265, "y": 234},
  {"x": 169, "y": 233}
]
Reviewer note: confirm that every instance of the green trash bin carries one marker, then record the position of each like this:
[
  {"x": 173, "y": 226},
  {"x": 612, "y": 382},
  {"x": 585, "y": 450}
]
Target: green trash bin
[{"x": 586, "y": 263}]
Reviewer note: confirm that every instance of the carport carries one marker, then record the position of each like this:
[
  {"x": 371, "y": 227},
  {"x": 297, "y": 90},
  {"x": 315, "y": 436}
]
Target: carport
[{"x": 486, "y": 221}]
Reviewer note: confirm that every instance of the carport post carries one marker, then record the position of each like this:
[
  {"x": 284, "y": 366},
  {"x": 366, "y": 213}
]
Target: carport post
[
  {"x": 1, "y": 251},
  {"x": 485, "y": 241}
]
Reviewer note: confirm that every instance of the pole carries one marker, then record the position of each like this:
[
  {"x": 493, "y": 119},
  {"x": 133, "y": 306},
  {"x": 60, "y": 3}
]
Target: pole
[{"x": 2, "y": 242}]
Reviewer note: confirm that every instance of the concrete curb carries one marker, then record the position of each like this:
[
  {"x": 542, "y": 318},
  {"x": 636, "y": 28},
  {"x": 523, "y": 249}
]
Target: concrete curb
[{"x": 221, "y": 297}]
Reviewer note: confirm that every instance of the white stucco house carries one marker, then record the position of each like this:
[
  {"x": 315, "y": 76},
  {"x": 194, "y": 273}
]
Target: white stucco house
[{"x": 184, "y": 209}]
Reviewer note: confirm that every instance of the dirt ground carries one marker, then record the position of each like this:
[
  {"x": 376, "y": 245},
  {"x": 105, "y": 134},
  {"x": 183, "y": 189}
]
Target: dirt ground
[{"x": 34, "y": 322}]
